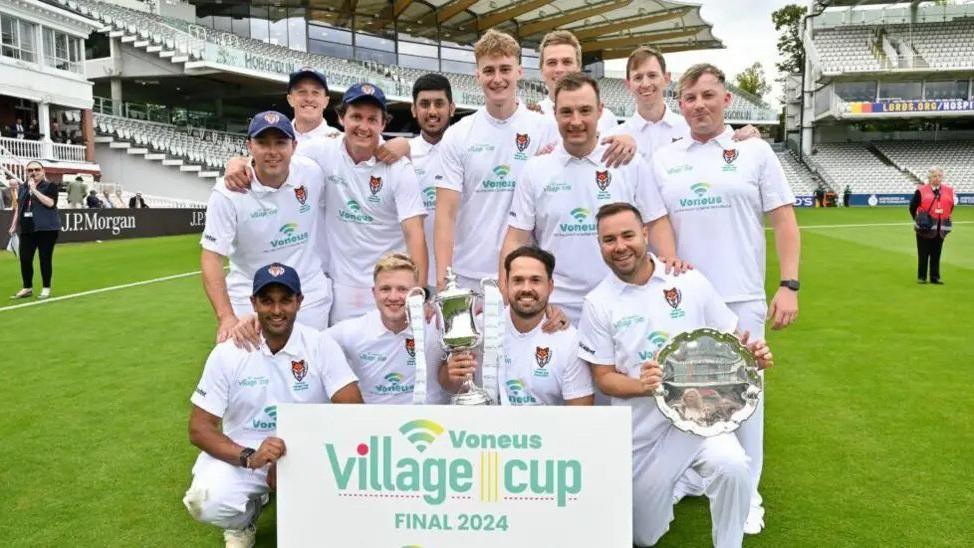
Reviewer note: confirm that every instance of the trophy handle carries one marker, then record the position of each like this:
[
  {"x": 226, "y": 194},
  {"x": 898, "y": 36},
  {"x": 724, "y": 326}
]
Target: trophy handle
[{"x": 412, "y": 292}]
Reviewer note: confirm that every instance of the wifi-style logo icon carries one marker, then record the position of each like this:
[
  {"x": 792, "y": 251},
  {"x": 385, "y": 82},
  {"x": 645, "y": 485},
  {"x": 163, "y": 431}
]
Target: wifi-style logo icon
[
  {"x": 271, "y": 411},
  {"x": 515, "y": 385},
  {"x": 429, "y": 194},
  {"x": 353, "y": 205},
  {"x": 658, "y": 338},
  {"x": 289, "y": 228},
  {"x": 580, "y": 214},
  {"x": 394, "y": 378},
  {"x": 700, "y": 188},
  {"x": 421, "y": 433}
]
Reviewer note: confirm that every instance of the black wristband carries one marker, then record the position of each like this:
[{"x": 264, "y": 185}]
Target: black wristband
[{"x": 245, "y": 455}]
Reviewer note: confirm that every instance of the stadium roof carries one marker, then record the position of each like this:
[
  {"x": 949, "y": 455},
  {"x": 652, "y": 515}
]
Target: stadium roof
[{"x": 608, "y": 29}]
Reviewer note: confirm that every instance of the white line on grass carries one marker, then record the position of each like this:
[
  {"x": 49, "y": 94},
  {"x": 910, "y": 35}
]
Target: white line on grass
[
  {"x": 102, "y": 290},
  {"x": 808, "y": 227}
]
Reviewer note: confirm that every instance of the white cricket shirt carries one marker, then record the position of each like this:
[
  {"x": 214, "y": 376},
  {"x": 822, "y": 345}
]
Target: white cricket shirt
[
  {"x": 651, "y": 136},
  {"x": 542, "y": 368},
  {"x": 624, "y": 325},
  {"x": 423, "y": 157},
  {"x": 557, "y": 199},
  {"x": 385, "y": 362},
  {"x": 267, "y": 225},
  {"x": 481, "y": 157},
  {"x": 322, "y": 130},
  {"x": 365, "y": 204},
  {"x": 717, "y": 194},
  {"x": 244, "y": 388}
]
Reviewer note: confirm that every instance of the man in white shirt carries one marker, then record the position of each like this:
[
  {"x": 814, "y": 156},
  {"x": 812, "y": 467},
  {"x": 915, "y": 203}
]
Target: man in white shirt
[
  {"x": 307, "y": 93},
  {"x": 235, "y": 406},
  {"x": 276, "y": 221},
  {"x": 625, "y": 320},
  {"x": 371, "y": 208},
  {"x": 380, "y": 346},
  {"x": 718, "y": 193},
  {"x": 558, "y": 194},
  {"x": 432, "y": 108},
  {"x": 561, "y": 54},
  {"x": 538, "y": 368}
]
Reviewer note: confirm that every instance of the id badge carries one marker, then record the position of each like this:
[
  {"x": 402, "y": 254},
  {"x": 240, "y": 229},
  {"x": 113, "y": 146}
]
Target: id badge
[
  {"x": 938, "y": 211},
  {"x": 28, "y": 214}
]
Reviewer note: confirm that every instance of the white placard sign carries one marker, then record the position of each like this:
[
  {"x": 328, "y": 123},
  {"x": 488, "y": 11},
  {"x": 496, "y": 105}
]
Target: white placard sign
[{"x": 441, "y": 476}]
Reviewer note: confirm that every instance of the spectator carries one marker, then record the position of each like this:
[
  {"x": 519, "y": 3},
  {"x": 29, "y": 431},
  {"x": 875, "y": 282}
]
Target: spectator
[
  {"x": 58, "y": 135},
  {"x": 37, "y": 221},
  {"x": 846, "y": 196},
  {"x": 107, "y": 202},
  {"x": 92, "y": 200},
  {"x": 33, "y": 131},
  {"x": 931, "y": 207},
  {"x": 76, "y": 192},
  {"x": 137, "y": 201},
  {"x": 19, "y": 130}
]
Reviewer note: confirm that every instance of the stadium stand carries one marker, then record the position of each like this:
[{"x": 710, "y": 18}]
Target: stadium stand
[
  {"x": 855, "y": 165},
  {"x": 955, "y": 157},
  {"x": 800, "y": 178},
  {"x": 202, "y": 151},
  {"x": 847, "y": 49}
]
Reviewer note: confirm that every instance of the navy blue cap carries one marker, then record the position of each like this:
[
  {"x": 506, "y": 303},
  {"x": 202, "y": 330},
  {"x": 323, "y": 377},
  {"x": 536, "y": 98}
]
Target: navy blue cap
[
  {"x": 270, "y": 119},
  {"x": 277, "y": 273},
  {"x": 363, "y": 92},
  {"x": 306, "y": 72}
]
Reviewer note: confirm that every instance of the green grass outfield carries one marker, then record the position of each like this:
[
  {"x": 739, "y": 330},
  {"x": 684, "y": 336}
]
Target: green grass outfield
[{"x": 869, "y": 412}]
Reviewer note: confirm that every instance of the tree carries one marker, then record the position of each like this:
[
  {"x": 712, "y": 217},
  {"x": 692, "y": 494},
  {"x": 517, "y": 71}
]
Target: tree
[
  {"x": 752, "y": 80},
  {"x": 788, "y": 22}
]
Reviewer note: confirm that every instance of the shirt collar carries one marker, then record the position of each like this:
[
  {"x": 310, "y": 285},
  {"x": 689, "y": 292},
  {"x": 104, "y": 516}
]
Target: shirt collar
[
  {"x": 370, "y": 162},
  {"x": 669, "y": 118},
  {"x": 513, "y": 331},
  {"x": 258, "y": 188},
  {"x": 498, "y": 122},
  {"x": 658, "y": 273},
  {"x": 725, "y": 140},
  {"x": 594, "y": 157},
  {"x": 292, "y": 347}
]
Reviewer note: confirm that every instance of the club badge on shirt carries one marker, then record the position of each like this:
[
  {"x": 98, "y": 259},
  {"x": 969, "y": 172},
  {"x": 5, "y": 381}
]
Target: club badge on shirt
[
  {"x": 375, "y": 185},
  {"x": 299, "y": 369},
  {"x": 542, "y": 355},
  {"x": 730, "y": 155},
  {"x": 602, "y": 180},
  {"x": 521, "y": 141},
  {"x": 673, "y": 298}
]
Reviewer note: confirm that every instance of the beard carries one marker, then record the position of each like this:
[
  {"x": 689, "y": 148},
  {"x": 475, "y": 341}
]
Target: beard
[{"x": 529, "y": 311}]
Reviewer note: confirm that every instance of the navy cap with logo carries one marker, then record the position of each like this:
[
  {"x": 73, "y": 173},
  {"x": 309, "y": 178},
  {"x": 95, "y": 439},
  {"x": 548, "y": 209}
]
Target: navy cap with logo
[
  {"x": 270, "y": 119},
  {"x": 277, "y": 273},
  {"x": 365, "y": 92},
  {"x": 306, "y": 72}
]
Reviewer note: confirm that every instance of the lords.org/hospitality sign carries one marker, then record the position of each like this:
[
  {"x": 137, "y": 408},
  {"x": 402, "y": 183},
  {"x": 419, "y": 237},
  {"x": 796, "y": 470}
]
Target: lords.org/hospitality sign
[
  {"x": 442, "y": 476},
  {"x": 933, "y": 105}
]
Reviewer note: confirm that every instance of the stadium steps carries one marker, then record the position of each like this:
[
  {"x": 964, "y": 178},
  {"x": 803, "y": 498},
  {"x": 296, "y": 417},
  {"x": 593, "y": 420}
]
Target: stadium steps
[
  {"x": 877, "y": 152},
  {"x": 201, "y": 171}
]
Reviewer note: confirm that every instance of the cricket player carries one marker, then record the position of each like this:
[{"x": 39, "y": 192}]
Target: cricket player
[
  {"x": 307, "y": 94},
  {"x": 561, "y": 54}
]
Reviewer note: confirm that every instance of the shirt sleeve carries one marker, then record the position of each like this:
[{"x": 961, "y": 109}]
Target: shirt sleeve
[
  {"x": 448, "y": 162},
  {"x": 576, "y": 380},
  {"x": 774, "y": 188},
  {"x": 594, "y": 336},
  {"x": 51, "y": 191},
  {"x": 336, "y": 373},
  {"x": 718, "y": 315},
  {"x": 319, "y": 150},
  {"x": 607, "y": 122},
  {"x": 522, "y": 204},
  {"x": 648, "y": 199},
  {"x": 212, "y": 393},
  {"x": 409, "y": 197},
  {"x": 221, "y": 224}
]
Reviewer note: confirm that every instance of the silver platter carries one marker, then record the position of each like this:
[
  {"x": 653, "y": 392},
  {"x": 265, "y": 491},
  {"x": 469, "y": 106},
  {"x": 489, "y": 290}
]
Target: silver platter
[{"x": 710, "y": 382}]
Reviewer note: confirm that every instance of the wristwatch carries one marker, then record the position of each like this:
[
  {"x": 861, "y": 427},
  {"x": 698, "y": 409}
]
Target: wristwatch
[
  {"x": 790, "y": 284},
  {"x": 245, "y": 456}
]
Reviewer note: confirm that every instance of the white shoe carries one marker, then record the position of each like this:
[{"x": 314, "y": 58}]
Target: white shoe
[
  {"x": 240, "y": 538},
  {"x": 755, "y": 520}
]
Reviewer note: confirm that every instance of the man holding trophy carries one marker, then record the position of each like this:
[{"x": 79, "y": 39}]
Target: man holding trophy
[
  {"x": 381, "y": 345},
  {"x": 535, "y": 368},
  {"x": 625, "y": 320}
]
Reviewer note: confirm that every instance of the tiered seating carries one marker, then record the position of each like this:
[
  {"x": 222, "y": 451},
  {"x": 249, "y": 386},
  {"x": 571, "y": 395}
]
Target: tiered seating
[
  {"x": 801, "y": 180},
  {"x": 146, "y": 26},
  {"x": 197, "y": 147},
  {"x": 918, "y": 157},
  {"x": 854, "y": 165},
  {"x": 942, "y": 45},
  {"x": 846, "y": 49},
  {"x": 157, "y": 202}
]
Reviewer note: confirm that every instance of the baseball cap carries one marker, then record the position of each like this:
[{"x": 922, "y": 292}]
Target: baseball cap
[
  {"x": 365, "y": 92},
  {"x": 270, "y": 119},
  {"x": 306, "y": 72},
  {"x": 277, "y": 273}
]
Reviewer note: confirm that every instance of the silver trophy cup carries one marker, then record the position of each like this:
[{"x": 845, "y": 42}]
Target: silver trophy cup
[
  {"x": 710, "y": 382},
  {"x": 455, "y": 308}
]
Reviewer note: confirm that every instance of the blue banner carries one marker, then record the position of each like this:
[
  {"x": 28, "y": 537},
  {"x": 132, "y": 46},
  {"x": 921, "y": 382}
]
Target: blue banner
[
  {"x": 805, "y": 201},
  {"x": 932, "y": 105}
]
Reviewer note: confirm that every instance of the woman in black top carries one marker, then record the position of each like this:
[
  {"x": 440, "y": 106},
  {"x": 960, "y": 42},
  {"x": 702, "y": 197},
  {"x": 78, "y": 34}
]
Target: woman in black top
[{"x": 37, "y": 219}]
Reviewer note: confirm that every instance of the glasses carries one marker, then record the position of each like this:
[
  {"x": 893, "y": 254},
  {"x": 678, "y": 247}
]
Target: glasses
[{"x": 34, "y": 170}]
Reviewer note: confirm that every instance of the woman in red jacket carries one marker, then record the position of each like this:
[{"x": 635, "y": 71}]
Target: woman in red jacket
[{"x": 930, "y": 208}]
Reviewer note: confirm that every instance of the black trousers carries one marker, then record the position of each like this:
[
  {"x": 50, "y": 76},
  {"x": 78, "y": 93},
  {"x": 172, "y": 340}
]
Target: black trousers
[
  {"x": 928, "y": 251},
  {"x": 43, "y": 243}
]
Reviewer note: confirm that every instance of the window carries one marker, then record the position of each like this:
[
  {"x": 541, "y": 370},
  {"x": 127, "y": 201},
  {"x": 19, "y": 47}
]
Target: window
[
  {"x": 946, "y": 90},
  {"x": 329, "y": 34},
  {"x": 384, "y": 57},
  {"x": 855, "y": 91},
  {"x": 422, "y": 63},
  {"x": 62, "y": 51},
  {"x": 374, "y": 42},
  {"x": 460, "y": 68},
  {"x": 422, "y": 50},
  {"x": 17, "y": 39},
  {"x": 297, "y": 36},
  {"x": 458, "y": 55},
  {"x": 259, "y": 27},
  {"x": 333, "y": 50},
  {"x": 906, "y": 91}
]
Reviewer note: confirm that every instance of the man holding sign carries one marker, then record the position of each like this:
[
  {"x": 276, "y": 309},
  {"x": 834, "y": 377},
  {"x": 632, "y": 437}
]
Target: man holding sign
[
  {"x": 626, "y": 319},
  {"x": 235, "y": 405}
]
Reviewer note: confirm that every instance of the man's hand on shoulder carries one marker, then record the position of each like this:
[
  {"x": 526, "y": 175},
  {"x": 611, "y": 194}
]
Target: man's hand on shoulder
[
  {"x": 238, "y": 174},
  {"x": 246, "y": 334},
  {"x": 392, "y": 150}
]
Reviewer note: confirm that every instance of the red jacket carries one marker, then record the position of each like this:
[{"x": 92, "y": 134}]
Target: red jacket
[{"x": 938, "y": 208}]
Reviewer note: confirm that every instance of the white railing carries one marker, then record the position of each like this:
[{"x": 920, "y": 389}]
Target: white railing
[{"x": 26, "y": 149}]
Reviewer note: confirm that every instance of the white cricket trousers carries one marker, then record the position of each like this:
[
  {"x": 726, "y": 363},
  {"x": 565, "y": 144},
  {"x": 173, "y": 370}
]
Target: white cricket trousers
[
  {"x": 719, "y": 461},
  {"x": 227, "y": 496}
]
